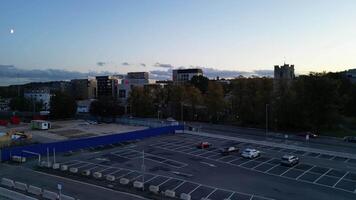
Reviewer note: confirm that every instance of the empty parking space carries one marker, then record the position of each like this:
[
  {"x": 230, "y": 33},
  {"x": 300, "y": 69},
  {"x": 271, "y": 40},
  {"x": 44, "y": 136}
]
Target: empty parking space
[{"x": 201, "y": 192}]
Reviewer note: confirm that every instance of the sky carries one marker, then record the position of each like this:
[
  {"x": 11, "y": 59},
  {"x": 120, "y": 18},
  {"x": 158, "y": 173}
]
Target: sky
[{"x": 157, "y": 35}]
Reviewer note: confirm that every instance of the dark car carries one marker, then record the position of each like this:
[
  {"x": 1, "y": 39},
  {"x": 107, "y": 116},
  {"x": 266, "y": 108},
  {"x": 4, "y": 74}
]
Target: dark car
[
  {"x": 228, "y": 150},
  {"x": 203, "y": 145},
  {"x": 350, "y": 139}
]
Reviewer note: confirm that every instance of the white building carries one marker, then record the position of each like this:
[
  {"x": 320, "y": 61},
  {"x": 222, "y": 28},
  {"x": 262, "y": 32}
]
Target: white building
[
  {"x": 83, "y": 106},
  {"x": 133, "y": 79},
  {"x": 4, "y": 104},
  {"x": 42, "y": 95},
  {"x": 181, "y": 76}
]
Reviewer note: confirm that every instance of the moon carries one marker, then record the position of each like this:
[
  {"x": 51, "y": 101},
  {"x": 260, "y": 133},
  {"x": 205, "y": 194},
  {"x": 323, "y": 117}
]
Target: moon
[{"x": 12, "y": 31}]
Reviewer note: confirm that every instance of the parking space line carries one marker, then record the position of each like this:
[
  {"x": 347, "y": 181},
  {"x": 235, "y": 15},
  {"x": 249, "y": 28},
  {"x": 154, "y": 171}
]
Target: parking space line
[
  {"x": 164, "y": 181},
  {"x": 155, "y": 176},
  {"x": 207, "y": 197},
  {"x": 232, "y": 194},
  {"x": 85, "y": 165},
  {"x": 105, "y": 169},
  {"x": 239, "y": 158},
  {"x": 194, "y": 189},
  {"x": 115, "y": 172},
  {"x": 229, "y": 156},
  {"x": 340, "y": 179},
  {"x": 136, "y": 177},
  {"x": 289, "y": 170},
  {"x": 263, "y": 163},
  {"x": 272, "y": 168},
  {"x": 125, "y": 174},
  {"x": 306, "y": 171},
  {"x": 322, "y": 175},
  {"x": 347, "y": 160},
  {"x": 179, "y": 185}
]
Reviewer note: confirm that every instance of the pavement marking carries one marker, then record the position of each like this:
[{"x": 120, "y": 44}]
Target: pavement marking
[
  {"x": 115, "y": 171},
  {"x": 125, "y": 174},
  {"x": 179, "y": 185},
  {"x": 230, "y": 195},
  {"x": 155, "y": 176},
  {"x": 229, "y": 156},
  {"x": 239, "y": 158},
  {"x": 136, "y": 177},
  {"x": 271, "y": 169},
  {"x": 207, "y": 197},
  {"x": 263, "y": 163},
  {"x": 293, "y": 167},
  {"x": 209, "y": 164},
  {"x": 322, "y": 175},
  {"x": 164, "y": 181},
  {"x": 306, "y": 171},
  {"x": 194, "y": 189},
  {"x": 340, "y": 179}
]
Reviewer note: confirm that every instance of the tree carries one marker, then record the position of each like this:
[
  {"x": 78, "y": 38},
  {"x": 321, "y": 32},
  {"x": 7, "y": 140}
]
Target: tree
[
  {"x": 200, "y": 82},
  {"x": 20, "y": 104},
  {"x": 105, "y": 107},
  {"x": 192, "y": 99},
  {"x": 141, "y": 102},
  {"x": 62, "y": 105},
  {"x": 214, "y": 101}
]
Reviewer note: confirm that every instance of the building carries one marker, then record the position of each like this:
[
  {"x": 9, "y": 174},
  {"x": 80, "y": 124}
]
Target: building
[
  {"x": 133, "y": 79},
  {"x": 284, "y": 72},
  {"x": 83, "y": 88},
  {"x": 182, "y": 76},
  {"x": 40, "y": 125},
  {"x": 107, "y": 86},
  {"x": 42, "y": 95},
  {"x": 283, "y": 76}
]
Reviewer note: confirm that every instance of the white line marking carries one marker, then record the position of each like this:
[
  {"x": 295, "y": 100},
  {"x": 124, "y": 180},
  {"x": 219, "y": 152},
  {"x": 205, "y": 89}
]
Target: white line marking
[
  {"x": 115, "y": 172},
  {"x": 263, "y": 163},
  {"x": 322, "y": 175},
  {"x": 340, "y": 179},
  {"x": 207, "y": 197},
  {"x": 125, "y": 174},
  {"x": 209, "y": 164},
  {"x": 194, "y": 189},
  {"x": 304, "y": 172},
  {"x": 178, "y": 185},
  {"x": 164, "y": 182},
  {"x": 151, "y": 178}
]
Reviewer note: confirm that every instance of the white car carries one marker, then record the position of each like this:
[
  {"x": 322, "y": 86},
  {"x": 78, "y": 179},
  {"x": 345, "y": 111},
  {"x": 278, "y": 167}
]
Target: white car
[{"x": 250, "y": 153}]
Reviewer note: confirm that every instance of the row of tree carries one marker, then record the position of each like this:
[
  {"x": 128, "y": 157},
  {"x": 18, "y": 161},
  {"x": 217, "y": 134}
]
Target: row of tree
[{"x": 310, "y": 102}]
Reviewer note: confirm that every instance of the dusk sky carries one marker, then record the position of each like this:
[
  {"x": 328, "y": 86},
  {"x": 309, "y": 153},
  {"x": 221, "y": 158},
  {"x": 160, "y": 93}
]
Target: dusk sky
[{"x": 121, "y": 36}]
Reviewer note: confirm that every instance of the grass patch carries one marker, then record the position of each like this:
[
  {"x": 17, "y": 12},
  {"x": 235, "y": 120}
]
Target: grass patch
[{"x": 347, "y": 127}]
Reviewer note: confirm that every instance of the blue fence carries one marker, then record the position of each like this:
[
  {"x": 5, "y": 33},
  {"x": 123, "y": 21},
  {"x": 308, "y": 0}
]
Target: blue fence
[{"x": 76, "y": 144}]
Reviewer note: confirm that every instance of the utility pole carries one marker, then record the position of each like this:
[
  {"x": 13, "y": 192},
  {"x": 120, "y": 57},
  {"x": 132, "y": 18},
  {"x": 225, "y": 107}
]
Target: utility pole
[
  {"x": 181, "y": 111},
  {"x": 267, "y": 106}
]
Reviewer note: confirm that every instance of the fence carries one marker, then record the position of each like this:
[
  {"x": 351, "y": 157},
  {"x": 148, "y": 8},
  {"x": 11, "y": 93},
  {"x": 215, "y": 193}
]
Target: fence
[
  {"x": 76, "y": 144},
  {"x": 148, "y": 122}
]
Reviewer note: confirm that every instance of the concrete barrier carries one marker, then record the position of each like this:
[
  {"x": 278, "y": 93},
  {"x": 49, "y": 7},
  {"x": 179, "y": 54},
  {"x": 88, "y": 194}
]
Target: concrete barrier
[
  {"x": 14, "y": 195},
  {"x": 46, "y": 164},
  {"x": 110, "y": 178},
  {"x": 138, "y": 184},
  {"x": 124, "y": 181},
  {"x": 20, "y": 186},
  {"x": 153, "y": 189},
  {"x": 64, "y": 167},
  {"x": 86, "y": 172},
  {"x": 34, "y": 190},
  {"x": 49, "y": 195},
  {"x": 55, "y": 166},
  {"x": 97, "y": 175},
  {"x": 185, "y": 196},
  {"x": 66, "y": 197},
  {"x": 73, "y": 170},
  {"x": 7, "y": 182},
  {"x": 170, "y": 193}
]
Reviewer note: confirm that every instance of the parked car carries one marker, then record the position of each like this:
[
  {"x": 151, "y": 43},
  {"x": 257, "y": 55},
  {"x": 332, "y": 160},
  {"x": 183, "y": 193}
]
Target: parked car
[
  {"x": 203, "y": 145},
  {"x": 311, "y": 134},
  {"x": 228, "y": 150},
  {"x": 289, "y": 160},
  {"x": 250, "y": 153},
  {"x": 350, "y": 139}
]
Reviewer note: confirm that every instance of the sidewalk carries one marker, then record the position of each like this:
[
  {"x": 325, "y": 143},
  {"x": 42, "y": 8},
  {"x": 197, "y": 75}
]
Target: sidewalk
[{"x": 274, "y": 144}]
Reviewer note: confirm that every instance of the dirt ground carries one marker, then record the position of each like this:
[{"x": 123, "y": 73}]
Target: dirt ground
[{"x": 71, "y": 129}]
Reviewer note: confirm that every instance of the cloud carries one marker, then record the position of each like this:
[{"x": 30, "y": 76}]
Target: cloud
[
  {"x": 157, "y": 64},
  {"x": 143, "y": 64},
  {"x": 264, "y": 72},
  {"x": 125, "y": 64},
  {"x": 101, "y": 64},
  {"x": 10, "y": 74}
]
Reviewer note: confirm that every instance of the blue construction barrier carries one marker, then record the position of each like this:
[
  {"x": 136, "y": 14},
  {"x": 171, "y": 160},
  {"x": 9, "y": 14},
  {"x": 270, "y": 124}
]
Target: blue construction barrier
[{"x": 75, "y": 144}]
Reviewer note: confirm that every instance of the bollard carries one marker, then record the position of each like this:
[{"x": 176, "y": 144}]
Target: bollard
[
  {"x": 185, "y": 196},
  {"x": 97, "y": 175},
  {"x": 153, "y": 189},
  {"x": 124, "y": 181},
  {"x": 73, "y": 170},
  {"x": 34, "y": 190},
  {"x": 20, "y": 186},
  {"x": 86, "y": 172},
  {"x": 50, "y": 195},
  {"x": 110, "y": 178},
  {"x": 170, "y": 193},
  {"x": 138, "y": 184},
  {"x": 56, "y": 166},
  {"x": 64, "y": 167}
]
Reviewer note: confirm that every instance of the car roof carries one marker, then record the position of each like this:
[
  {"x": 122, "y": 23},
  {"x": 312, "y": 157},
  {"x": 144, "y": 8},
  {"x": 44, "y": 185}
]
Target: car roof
[{"x": 288, "y": 156}]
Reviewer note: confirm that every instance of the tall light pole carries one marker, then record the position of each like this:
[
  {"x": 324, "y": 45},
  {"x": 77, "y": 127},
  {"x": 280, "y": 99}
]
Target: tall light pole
[{"x": 267, "y": 106}]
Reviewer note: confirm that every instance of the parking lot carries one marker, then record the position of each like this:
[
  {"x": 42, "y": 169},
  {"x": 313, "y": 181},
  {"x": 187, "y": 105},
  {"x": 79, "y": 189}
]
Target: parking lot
[{"x": 174, "y": 163}]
